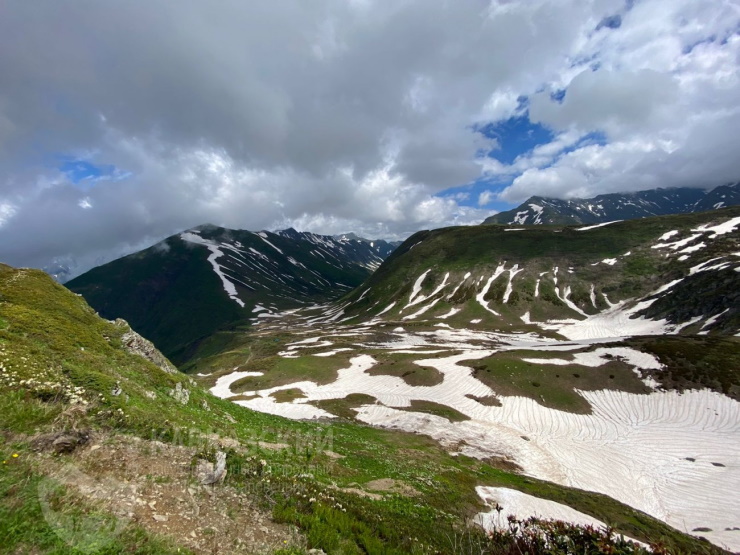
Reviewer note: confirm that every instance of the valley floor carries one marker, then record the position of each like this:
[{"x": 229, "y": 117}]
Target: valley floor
[{"x": 672, "y": 454}]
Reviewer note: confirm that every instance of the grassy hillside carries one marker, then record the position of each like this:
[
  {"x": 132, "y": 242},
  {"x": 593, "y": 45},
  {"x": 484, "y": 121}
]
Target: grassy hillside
[
  {"x": 172, "y": 295},
  {"x": 621, "y": 260},
  {"x": 71, "y": 395}
]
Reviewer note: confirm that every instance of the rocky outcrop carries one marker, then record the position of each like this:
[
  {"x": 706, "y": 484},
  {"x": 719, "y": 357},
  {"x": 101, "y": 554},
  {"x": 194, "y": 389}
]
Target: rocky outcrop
[{"x": 137, "y": 345}]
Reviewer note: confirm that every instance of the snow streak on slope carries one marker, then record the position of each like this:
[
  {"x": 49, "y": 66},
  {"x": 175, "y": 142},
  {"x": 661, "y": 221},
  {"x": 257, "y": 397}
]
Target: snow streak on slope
[
  {"x": 229, "y": 287},
  {"x": 481, "y": 296},
  {"x": 597, "y": 225}
]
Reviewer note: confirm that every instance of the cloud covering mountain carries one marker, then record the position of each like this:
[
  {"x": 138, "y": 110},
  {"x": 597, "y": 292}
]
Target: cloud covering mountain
[{"x": 122, "y": 123}]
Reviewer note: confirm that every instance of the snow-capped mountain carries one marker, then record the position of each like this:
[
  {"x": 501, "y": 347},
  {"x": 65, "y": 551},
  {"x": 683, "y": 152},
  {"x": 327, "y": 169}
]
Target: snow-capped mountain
[
  {"x": 618, "y": 206},
  {"x": 187, "y": 286}
]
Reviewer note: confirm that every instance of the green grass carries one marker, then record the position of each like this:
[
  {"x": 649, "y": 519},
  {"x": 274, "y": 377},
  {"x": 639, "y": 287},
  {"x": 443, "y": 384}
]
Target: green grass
[
  {"x": 550, "y": 385},
  {"x": 479, "y": 250},
  {"x": 283, "y": 371},
  {"x": 343, "y": 407},
  {"x": 697, "y": 362},
  {"x": 287, "y": 395},
  {"x": 403, "y": 366},
  {"x": 430, "y": 407},
  {"x": 47, "y": 330}
]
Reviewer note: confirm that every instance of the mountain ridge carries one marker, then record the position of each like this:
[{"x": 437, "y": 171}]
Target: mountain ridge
[
  {"x": 185, "y": 287},
  {"x": 538, "y": 210}
]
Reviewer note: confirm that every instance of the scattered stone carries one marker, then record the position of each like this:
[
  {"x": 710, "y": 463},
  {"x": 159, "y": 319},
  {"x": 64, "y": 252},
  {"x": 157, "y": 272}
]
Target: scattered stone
[
  {"x": 392, "y": 486},
  {"x": 718, "y": 464},
  {"x": 61, "y": 442},
  {"x": 208, "y": 473},
  {"x": 160, "y": 518},
  {"x": 180, "y": 393},
  {"x": 150, "y": 395},
  {"x": 116, "y": 391}
]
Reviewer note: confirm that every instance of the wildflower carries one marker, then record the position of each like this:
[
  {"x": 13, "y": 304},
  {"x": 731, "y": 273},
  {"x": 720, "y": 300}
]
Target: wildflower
[{"x": 15, "y": 455}]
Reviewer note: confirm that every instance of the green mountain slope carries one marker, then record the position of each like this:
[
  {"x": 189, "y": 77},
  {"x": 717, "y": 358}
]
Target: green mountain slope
[
  {"x": 181, "y": 290},
  {"x": 498, "y": 274},
  {"x": 102, "y": 450}
]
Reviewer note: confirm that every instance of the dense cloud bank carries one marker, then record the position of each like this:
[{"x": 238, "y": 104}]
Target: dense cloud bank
[{"x": 345, "y": 115}]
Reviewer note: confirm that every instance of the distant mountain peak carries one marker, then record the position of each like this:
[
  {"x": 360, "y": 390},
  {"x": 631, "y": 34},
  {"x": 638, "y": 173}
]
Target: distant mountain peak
[{"x": 539, "y": 210}]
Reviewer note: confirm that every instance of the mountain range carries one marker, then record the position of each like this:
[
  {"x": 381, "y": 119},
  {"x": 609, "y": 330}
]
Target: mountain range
[
  {"x": 184, "y": 288},
  {"x": 588, "y": 373},
  {"x": 618, "y": 206}
]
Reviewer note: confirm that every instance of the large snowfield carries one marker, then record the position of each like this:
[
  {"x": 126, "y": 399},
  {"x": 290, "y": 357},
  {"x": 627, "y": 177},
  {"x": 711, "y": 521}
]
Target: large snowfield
[{"x": 674, "y": 456}]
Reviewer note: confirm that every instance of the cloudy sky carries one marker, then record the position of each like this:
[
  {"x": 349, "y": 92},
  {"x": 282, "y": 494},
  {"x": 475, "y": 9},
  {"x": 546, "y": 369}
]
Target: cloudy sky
[{"x": 124, "y": 122}]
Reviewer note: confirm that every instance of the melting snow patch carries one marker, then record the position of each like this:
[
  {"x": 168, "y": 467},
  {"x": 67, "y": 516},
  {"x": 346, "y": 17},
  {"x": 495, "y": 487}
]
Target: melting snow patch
[
  {"x": 480, "y": 296},
  {"x": 597, "y": 225},
  {"x": 222, "y": 388},
  {"x": 711, "y": 321},
  {"x": 387, "y": 308},
  {"x": 417, "y": 287},
  {"x": 522, "y": 506},
  {"x": 514, "y": 270},
  {"x": 452, "y": 312},
  {"x": 601, "y": 356},
  {"x": 721, "y": 229},
  {"x": 705, "y": 266},
  {"x": 693, "y": 248}
]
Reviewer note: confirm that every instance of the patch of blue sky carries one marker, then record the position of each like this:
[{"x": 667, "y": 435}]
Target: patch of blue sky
[
  {"x": 515, "y": 136},
  {"x": 83, "y": 172},
  {"x": 610, "y": 22},
  {"x": 470, "y": 194}
]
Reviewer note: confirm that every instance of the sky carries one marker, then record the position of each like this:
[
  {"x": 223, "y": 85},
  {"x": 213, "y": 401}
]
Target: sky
[{"x": 124, "y": 122}]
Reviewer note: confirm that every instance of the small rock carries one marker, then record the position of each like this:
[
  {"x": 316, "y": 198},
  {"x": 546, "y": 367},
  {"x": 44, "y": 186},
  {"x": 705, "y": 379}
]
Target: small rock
[
  {"x": 160, "y": 518},
  {"x": 180, "y": 393},
  {"x": 116, "y": 391},
  {"x": 208, "y": 473}
]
